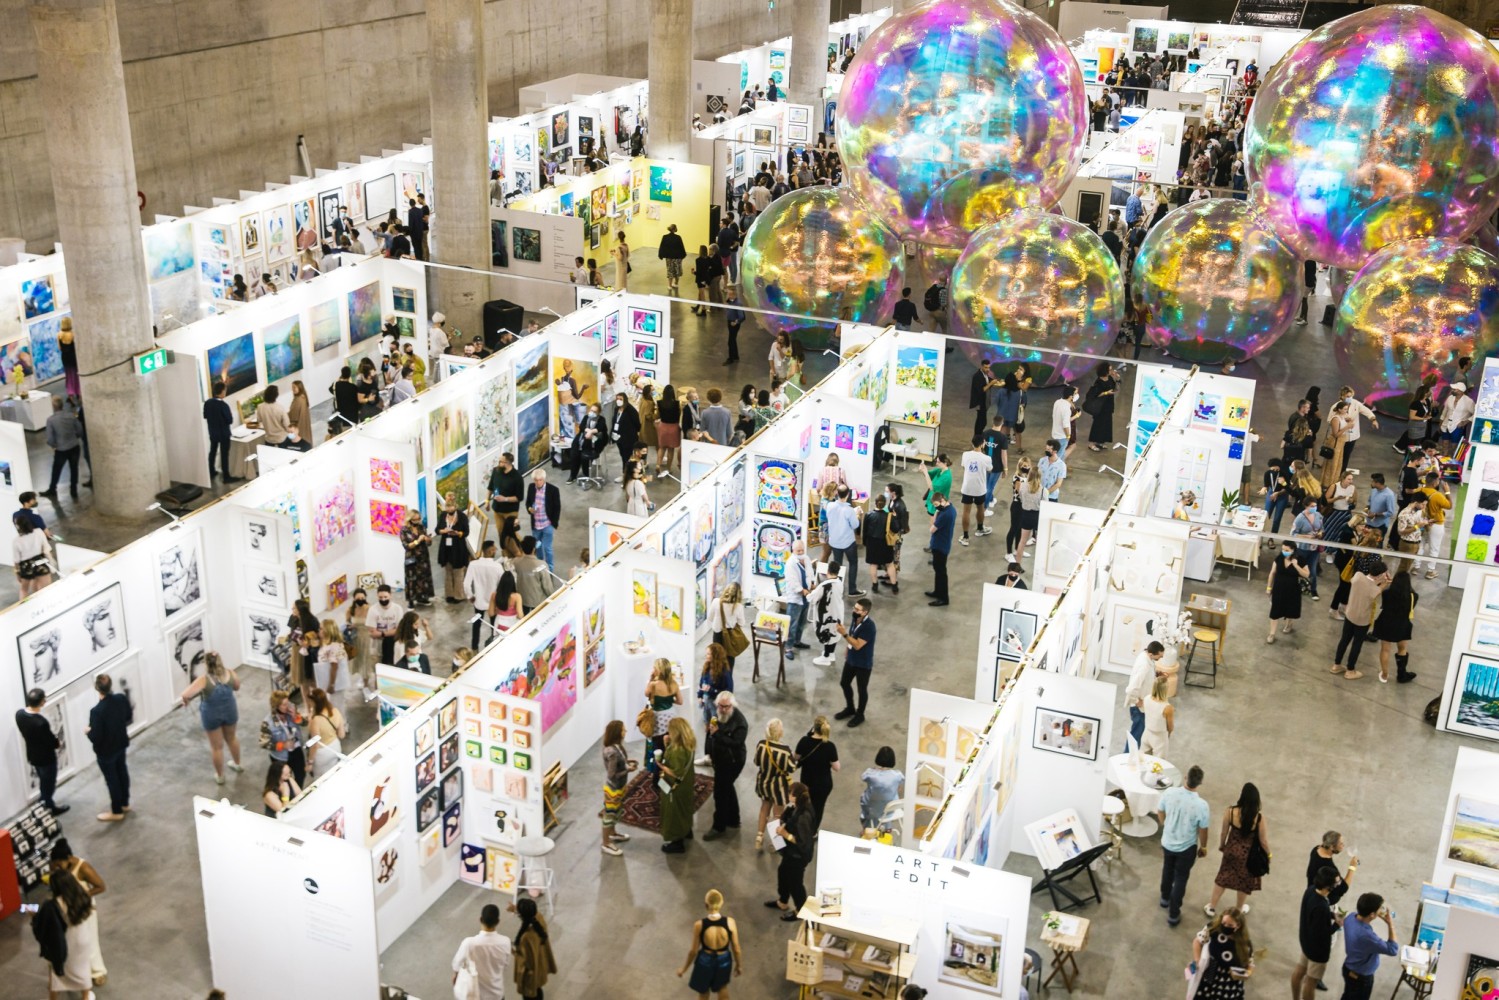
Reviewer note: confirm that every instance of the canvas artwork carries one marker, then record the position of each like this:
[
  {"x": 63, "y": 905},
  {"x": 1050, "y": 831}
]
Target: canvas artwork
[
  {"x": 1065, "y": 546},
  {"x": 669, "y": 608},
  {"x": 593, "y": 643},
  {"x": 700, "y": 601},
  {"x": 338, "y": 591},
  {"x": 532, "y": 436},
  {"x": 778, "y": 487},
  {"x": 364, "y": 313},
  {"x": 233, "y": 363},
  {"x": 385, "y": 475},
  {"x": 447, "y": 756},
  {"x": 426, "y": 771},
  {"x": 703, "y": 537},
  {"x": 598, "y": 202},
  {"x": 643, "y": 593},
  {"x": 493, "y": 415},
  {"x": 772, "y": 546},
  {"x": 731, "y": 506},
  {"x": 728, "y": 569},
  {"x": 916, "y": 367},
  {"x": 561, "y": 134},
  {"x": 527, "y": 244},
  {"x": 286, "y": 504},
  {"x": 661, "y": 184},
  {"x": 531, "y": 373},
  {"x": 450, "y": 428},
  {"x": 181, "y": 578},
  {"x": 972, "y": 958},
  {"x": 1145, "y": 40},
  {"x": 249, "y": 235},
  {"x": 333, "y": 514},
  {"x": 549, "y": 677},
  {"x": 169, "y": 250},
  {"x": 277, "y": 234},
  {"x": 403, "y": 299},
  {"x": 677, "y": 540},
  {"x": 386, "y": 518},
  {"x": 499, "y": 246},
  {"x": 646, "y": 322},
  {"x": 76, "y": 641},
  {"x": 1132, "y": 627},
  {"x": 1474, "y": 838},
  {"x": 1066, "y": 733},
  {"x": 412, "y": 184},
  {"x": 46, "y": 350},
  {"x": 304, "y": 215},
  {"x": 324, "y": 325},
  {"x": 259, "y": 631},
  {"x": 1474, "y": 707},
  {"x": 452, "y": 477},
  {"x": 282, "y": 347}
]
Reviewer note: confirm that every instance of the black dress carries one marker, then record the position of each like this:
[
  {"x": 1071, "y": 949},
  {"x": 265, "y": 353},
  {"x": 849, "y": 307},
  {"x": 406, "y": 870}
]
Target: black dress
[
  {"x": 1102, "y": 431},
  {"x": 816, "y": 759},
  {"x": 877, "y": 551},
  {"x": 1393, "y": 623},
  {"x": 1285, "y": 590}
]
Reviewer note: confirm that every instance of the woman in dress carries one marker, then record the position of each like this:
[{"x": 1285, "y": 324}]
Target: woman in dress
[
  {"x": 1416, "y": 416},
  {"x": 302, "y": 630},
  {"x": 879, "y": 553},
  {"x": 67, "y": 927},
  {"x": 1284, "y": 588},
  {"x": 299, "y": 412},
  {"x": 281, "y": 786},
  {"x": 772, "y": 775},
  {"x": 1101, "y": 395},
  {"x": 69, "y": 351},
  {"x": 717, "y": 677},
  {"x": 617, "y": 768},
  {"x": 663, "y": 694},
  {"x": 534, "y": 962},
  {"x": 1242, "y": 824},
  {"x": 329, "y": 724},
  {"x": 1341, "y": 498},
  {"x": 1222, "y": 958},
  {"x": 817, "y": 756},
  {"x": 505, "y": 605},
  {"x": 637, "y": 501},
  {"x": 332, "y": 657},
  {"x": 357, "y": 635},
  {"x": 727, "y": 613},
  {"x": 453, "y": 553},
  {"x": 649, "y": 414},
  {"x": 63, "y": 859},
  {"x": 714, "y": 955},
  {"x": 799, "y": 828},
  {"x": 1339, "y": 426},
  {"x": 1392, "y": 627},
  {"x": 883, "y": 784},
  {"x": 418, "y": 546},
  {"x": 668, "y": 430},
  {"x": 621, "y": 255},
  {"x": 1160, "y": 719},
  {"x": 677, "y": 770},
  {"x": 218, "y": 711}
]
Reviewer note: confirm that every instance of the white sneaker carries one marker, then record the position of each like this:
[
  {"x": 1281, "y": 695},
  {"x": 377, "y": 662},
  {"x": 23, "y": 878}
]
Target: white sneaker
[
  {"x": 963, "y": 540},
  {"x": 823, "y": 661},
  {"x": 702, "y": 761},
  {"x": 1030, "y": 543},
  {"x": 1210, "y": 912},
  {"x": 1009, "y": 557},
  {"x": 1244, "y": 908},
  {"x": 619, "y": 479},
  {"x": 984, "y": 531}
]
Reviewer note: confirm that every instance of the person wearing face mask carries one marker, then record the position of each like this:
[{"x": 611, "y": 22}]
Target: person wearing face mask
[
  {"x": 943, "y": 520},
  {"x": 382, "y": 622},
  {"x": 858, "y": 663},
  {"x": 1011, "y": 577},
  {"x": 589, "y": 442},
  {"x": 415, "y": 658},
  {"x": 1284, "y": 588},
  {"x": 1306, "y": 529},
  {"x": 1053, "y": 469},
  {"x": 800, "y": 577},
  {"x": 625, "y": 431}
]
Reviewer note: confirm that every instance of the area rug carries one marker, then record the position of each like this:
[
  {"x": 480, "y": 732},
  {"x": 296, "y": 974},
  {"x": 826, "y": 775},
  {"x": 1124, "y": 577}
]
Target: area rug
[{"x": 642, "y": 806}]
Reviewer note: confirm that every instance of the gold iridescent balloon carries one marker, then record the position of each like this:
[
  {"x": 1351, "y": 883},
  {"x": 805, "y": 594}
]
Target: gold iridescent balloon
[
  {"x": 1036, "y": 279},
  {"x": 955, "y": 112},
  {"x": 818, "y": 252},
  {"x": 1379, "y": 127},
  {"x": 1216, "y": 283},
  {"x": 1414, "y": 309}
]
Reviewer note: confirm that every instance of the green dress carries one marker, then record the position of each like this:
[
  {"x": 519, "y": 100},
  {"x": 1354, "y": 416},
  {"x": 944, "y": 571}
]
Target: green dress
[{"x": 676, "y": 805}]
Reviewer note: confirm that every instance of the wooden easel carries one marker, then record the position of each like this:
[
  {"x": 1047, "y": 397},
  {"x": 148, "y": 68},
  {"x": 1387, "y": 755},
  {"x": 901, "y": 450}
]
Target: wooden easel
[
  {"x": 769, "y": 637},
  {"x": 553, "y": 794}
]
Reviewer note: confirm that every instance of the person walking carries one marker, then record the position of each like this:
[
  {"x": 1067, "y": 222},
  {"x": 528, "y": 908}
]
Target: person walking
[
  {"x": 481, "y": 578},
  {"x": 975, "y": 464},
  {"x": 997, "y": 447},
  {"x": 1243, "y": 824},
  {"x": 617, "y": 768},
  {"x": 702, "y": 277},
  {"x": 1438, "y": 503},
  {"x": 65, "y": 437},
  {"x": 1305, "y": 530},
  {"x": 1222, "y": 958},
  {"x": 41, "y": 747},
  {"x": 673, "y": 252},
  {"x": 30, "y": 556},
  {"x": 218, "y": 711},
  {"x": 880, "y": 536},
  {"x": 1363, "y": 601},
  {"x": 714, "y": 956},
  {"x": 544, "y": 503},
  {"x": 940, "y": 545},
  {"x": 1099, "y": 404},
  {"x": 858, "y": 663},
  {"x": 1392, "y": 627},
  {"x": 622, "y": 269},
  {"x": 725, "y": 619},
  {"x": 485, "y": 958},
  {"x": 109, "y": 732},
  {"x": 726, "y": 745},
  {"x": 883, "y": 784},
  {"x": 1317, "y": 925},
  {"x": 817, "y": 756},
  {"x": 453, "y": 553},
  {"x": 798, "y": 827},
  {"x": 826, "y": 609},
  {"x": 1184, "y": 820},
  {"x": 773, "y": 768},
  {"x": 681, "y": 780},
  {"x": 733, "y": 317},
  {"x": 532, "y": 951}
]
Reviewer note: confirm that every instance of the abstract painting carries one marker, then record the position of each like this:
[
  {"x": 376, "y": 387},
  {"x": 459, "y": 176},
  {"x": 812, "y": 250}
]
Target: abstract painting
[
  {"x": 532, "y": 438},
  {"x": 669, "y": 607},
  {"x": 493, "y": 415},
  {"x": 778, "y": 487},
  {"x": 333, "y": 514},
  {"x": 548, "y": 677},
  {"x": 677, "y": 540},
  {"x": 643, "y": 593},
  {"x": 73, "y": 642},
  {"x": 181, "y": 575},
  {"x": 403, "y": 299},
  {"x": 450, "y": 428},
  {"x": 1474, "y": 839},
  {"x": 386, "y": 518},
  {"x": 324, "y": 326},
  {"x": 412, "y": 185},
  {"x": 304, "y": 215},
  {"x": 471, "y": 864},
  {"x": 531, "y": 373},
  {"x": 1066, "y": 733},
  {"x": 527, "y": 243},
  {"x": 364, "y": 313},
  {"x": 338, "y": 591},
  {"x": 249, "y": 234},
  {"x": 328, "y": 205},
  {"x": 453, "y": 478},
  {"x": 385, "y": 475},
  {"x": 728, "y": 569},
  {"x": 233, "y": 363},
  {"x": 499, "y": 249},
  {"x": 169, "y": 250},
  {"x": 593, "y": 643},
  {"x": 700, "y": 601},
  {"x": 282, "y": 345},
  {"x": 46, "y": 351}
]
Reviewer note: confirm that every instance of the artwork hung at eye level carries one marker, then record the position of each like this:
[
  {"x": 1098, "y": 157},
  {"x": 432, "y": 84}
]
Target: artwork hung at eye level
[
  {"x": 323, "y": 322},
  {"x": 452, "y": 477},
  {"x": 531, "y": 374},
  {"x": 499, "y": 247},
  {"x": 730, "y": 494},
  {"x": 728, "y": 569},
  {"x": 385, "y": 475},
  {"x": 333, "y": 514},
  {"x": 57, "y": 650},
  {"x": 386, "y": 518},
  {"x": 450, "y": 428},
  {"x": 594, "y": 651},
  {"x": 364, "y": 313},
  {"x": 1066, "y": 733},
  {"x": 527, "y": 244},
  {"x": 1474, "y": 838},
  {"x": 233, "y": 363},
  {"x": 773, "y": 542},
  {"x": 972, "y": 957},
  {"x": 703, "y": 537},
  {"x": 778, "y": 487},
  {"x": 1474, "y": 707},
  {"x": 643, "y": 593},
  {"x": 282, "y": 344},
  {"x": 181, "y": 577},
  {"x": 549, "y": 676},
  {"x": 38, "y": 296},
  {"x": 532, "y": 442}
]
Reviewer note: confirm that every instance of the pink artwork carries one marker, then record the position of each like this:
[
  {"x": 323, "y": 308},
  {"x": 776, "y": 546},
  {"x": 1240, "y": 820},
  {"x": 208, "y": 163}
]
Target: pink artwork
[
  {"x": 386, "y": 518},
  {"x": 549, "y": 678},
  {"x": 385, "y": 476},
  {"x": 333, "y": 514}
]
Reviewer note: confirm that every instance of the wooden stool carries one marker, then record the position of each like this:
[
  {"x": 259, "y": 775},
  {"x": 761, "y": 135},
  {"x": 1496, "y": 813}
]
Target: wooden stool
[
  {"x": 1209, "y": 637},
  {"x": 1065, "y": 943}
]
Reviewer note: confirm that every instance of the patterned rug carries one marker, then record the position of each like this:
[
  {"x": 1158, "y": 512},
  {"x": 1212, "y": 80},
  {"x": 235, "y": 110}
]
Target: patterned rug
[{"x": 642, "y": 806}]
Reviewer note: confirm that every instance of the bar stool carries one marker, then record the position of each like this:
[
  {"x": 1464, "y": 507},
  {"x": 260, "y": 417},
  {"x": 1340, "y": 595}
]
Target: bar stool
[
  {"x": 536, "y": 878},
  {"x": 1211, "y": 638},
  {"x": 1113, "y": 807}
]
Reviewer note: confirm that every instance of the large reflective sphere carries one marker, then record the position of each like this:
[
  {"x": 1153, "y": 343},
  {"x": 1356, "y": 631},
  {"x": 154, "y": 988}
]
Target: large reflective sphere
[
  {"x": 1379, "y": 127},
  {"x": 955, "y": 112},
  {"x": 1039, "y": 280},
  {"x": 819, "y": 252},
  {"x": 1415, "y": 308},
  {"x": 1217, "y": 285}
]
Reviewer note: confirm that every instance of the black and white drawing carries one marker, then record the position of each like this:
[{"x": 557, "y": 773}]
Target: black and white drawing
[
  {"x": 181, "y": 576},
  {"x": 260, "y": 537},
  {"x": 260, "y": 632},
  {"x": 56, "y": 713},
  {"x": 1016, "y": 630},
  {"x": 74, "y": 642},
  {"x": 268, "y": 586},
  {"x": 186, "y": 644}
]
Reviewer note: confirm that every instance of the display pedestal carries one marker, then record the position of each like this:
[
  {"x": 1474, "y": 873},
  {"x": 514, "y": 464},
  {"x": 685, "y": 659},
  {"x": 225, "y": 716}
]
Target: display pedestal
[
  {"x": 846, "y": 943},
  {"x": 240, "y": 451},
  {"x": 31, "y": 412},
  {"x": 627, "y": 703},
  {"x": 1201, "y": 548}
]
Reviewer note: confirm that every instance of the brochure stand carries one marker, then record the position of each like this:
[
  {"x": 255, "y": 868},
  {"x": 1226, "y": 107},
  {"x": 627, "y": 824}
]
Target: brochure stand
[
  {"x": 860, "y": 958},
  {"x": 1055, "y": 879}
]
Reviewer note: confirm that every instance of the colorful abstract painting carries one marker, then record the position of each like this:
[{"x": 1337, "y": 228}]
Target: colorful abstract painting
[
  {"x": 324, "y": 326},
  {"x": 700, "y": 601},
  {"x": 493, "y": 414},
  {"x": 38, "y": 296},
  {"x": 282, "y": 346},
  {"x": 364, "y": 313},
  {"x": 773, "y": 541},
  {"x": 643, "y": 593},
  {"x": 386, "y": 518},
  {"x": 645, "y": 322},
  {"x": 338, "y": 591},
  {"x": 661, "y": 184},
  {"x": 593, "y": 643},
  {"x": 730, "y": 492},
  {"x": 450, "y": 428},
  {"x": 286, "y": 504},
  {"x": 778, "y": 487},
  {"x": 453, "y": 478},
  {"x": 16, "y": 352},
  {"x": 333, "y": 514},
  {"x": 611, "y": 332},
  {"x": 46, "y": 351},
  {"x": 233, "y": 363},
  {"x": 549, "y": 677},
  {"x": 669, "y": 608},
  {"x": 385, "y": 475}
]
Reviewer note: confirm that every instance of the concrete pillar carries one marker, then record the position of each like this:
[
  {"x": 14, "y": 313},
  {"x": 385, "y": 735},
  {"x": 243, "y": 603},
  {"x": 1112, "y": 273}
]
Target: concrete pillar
[
  {"x": 81, "y": 84},
  {"x": 669, "y": 73},
  {"x": 459, "y": 92},
  {"x": 809, "y": 53}
]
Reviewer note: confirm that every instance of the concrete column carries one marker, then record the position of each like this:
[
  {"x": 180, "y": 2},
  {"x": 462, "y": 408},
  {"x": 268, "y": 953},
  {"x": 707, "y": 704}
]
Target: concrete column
[
  {"x": 809, "y": 53},
  {"x": 669, "y": 73},
  {"x": 81, "y": 84},
  {"x": 459, "y": 92}
]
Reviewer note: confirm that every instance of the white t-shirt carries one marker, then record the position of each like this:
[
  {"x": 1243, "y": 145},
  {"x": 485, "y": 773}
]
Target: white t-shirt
[
  {"x": 975, "y": 466},
  {"x": 1061, "y": 419},
  {"x": 491, "y": 953}
]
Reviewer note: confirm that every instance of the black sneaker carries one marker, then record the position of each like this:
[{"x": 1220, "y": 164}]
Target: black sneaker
[
  {"x": 843, "y": 713},
  {"x": 856, "y": 721}
]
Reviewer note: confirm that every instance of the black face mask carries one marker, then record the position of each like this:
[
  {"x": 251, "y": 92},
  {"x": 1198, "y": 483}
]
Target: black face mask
[{"x": 384, "y": 602}]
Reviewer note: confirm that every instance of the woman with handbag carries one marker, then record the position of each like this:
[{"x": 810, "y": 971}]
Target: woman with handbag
[
  {"x": 662, "y": 695},
  {"x": 356, "y": 636},
  {"x": 1339, "y": 426},
  {"x": 799, "y": 829},
  {"x": 726, "y": 619},
  {"x": 29, "y": 555},
  {"x": 681, "y": 780},
  {"x": 773, "y": 768},
  {"x": 1245, "y": 844},
  {"x": 817, "y": 756},
  {"x": 617, "y": 768}
]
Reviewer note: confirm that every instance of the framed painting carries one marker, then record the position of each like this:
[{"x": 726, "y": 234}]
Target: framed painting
[
  {"x": 1066, "y": 733},
  {"x": 1473, "y": 708},
  {"x": 73, "y": 642}
]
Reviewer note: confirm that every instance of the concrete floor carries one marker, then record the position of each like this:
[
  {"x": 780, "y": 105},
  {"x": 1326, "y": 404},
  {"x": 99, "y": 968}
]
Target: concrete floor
[{"x": 1325, "y": 753}]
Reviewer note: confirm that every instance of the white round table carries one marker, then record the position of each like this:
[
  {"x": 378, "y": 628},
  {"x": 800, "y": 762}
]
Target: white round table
[{"x": 1142, "y": 798}]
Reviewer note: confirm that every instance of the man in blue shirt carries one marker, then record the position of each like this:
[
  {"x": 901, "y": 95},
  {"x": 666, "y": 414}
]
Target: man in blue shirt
[
  {"x": 1382, "y": 506},
  {"x": 843, "y": 526},
  {"x": 1053, "y": 469},
  {"x": 1306, "y": 529},
  {"x": 1184, "y": 838},
  {"x": 943, "y": 520},
  {"x": 859, "y": 634},
  {"x": 1362, "y": 947},
  {"x": 1133, "y": 208}
]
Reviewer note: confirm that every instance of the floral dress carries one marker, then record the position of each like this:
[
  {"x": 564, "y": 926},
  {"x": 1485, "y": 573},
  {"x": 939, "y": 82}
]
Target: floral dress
[{"x": 418, "y": 565}]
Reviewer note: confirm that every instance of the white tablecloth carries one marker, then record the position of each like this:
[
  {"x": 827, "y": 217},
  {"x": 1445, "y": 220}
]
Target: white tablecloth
[
  {"x": 31, "y": 412},
  {"x": 1142, "y": 799},
  {"x": 1240, "y": 547}
]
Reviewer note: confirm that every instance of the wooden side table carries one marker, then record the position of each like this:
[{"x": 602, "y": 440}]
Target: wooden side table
[{"x": 1065, "y": 943}]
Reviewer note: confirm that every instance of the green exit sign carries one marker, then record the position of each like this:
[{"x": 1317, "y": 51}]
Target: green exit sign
[{"x": 151, "y": 361}]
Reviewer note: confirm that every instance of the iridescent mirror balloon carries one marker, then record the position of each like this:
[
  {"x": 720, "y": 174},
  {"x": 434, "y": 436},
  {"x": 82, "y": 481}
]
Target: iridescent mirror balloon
[
  {"x": 955, "y": 112},
  {"x": 1035, "y": 279},
  {"x": 1216, "y": 284},
  {"x": 1414, "y": 309},
  {"x": 818, "y": 252},
  {"x": 1379, "y": 127}
]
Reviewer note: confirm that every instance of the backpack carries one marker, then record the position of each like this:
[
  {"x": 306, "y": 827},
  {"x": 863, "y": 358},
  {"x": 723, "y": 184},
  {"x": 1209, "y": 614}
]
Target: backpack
[{"x": 932, "y": 300}]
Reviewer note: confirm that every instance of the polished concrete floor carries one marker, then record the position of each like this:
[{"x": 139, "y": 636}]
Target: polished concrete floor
[{"x": 1325, "y": 753}]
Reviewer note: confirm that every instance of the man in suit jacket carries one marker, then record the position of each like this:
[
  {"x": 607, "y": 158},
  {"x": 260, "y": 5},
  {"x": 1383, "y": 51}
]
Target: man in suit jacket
[
  {"x": 109, "y": 732},
  {"x": 726, "y": 746},
  {"x": 544, "y": 502}
]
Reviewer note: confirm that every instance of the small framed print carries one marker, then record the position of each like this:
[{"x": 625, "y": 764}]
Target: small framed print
[
  {"x": 645, "y": 322},
  {"x": 520, "y": 761},
  {"x": 1485, "y": 638},
  {"x": 797, "y": 133},
  {"x": 649, "y": 373},
  {"x": 645, "y": 352},
  {"x": 1066, "y": 733},
  {"x": 496, "y": 734},
  {"x": 522, "y": 739},
  {"x": 1488, "y": 598},
  {"x": 497, "y": 754},
  {"x": 497, "y": 710}
]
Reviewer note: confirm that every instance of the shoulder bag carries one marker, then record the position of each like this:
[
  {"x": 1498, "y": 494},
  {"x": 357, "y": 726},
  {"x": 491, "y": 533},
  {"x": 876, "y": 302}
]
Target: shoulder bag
[
  {"x": 1258, "y": 861},
  {"x": 734, "y": 641},
  {"x": 645, "y": 722}
]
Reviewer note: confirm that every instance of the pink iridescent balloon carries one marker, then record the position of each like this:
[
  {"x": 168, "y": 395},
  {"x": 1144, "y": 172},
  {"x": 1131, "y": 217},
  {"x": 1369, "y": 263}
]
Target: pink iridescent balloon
[{"x": 955, "y": 112}]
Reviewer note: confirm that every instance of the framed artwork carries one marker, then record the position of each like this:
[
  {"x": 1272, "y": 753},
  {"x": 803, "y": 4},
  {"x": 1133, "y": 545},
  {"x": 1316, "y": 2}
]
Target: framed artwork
[
  {"x": 428, "y": 809},
  {"x": 266, "y": 584},
  {"x": 329, "y": 203},
  {"x": 447, "y": 718},
  {"x": 778, "y": 484},
  {"x": 412, "y": 184},
  {"x": 379, "y": 196},
  {"x": 700, "y": 601},
  {"x": 74, "y": 642},
  {"x": 798, "y": 133},
  {"x": 773, "y": 540},
  {"x": 669, "y": 608},
  {"x": 403, "y": 299},
  {"x": 1473, "y": 840},
  {"x": 649, "y": 373},
  {"x": 447, "y": 753},
  {"x": 677, "y": 541},
  {"x": 181, "y": 579},
  {"x": 499, "y": 247},
  {"x": 1132, "y": 627},
  {"x": 364, "y": 313},
  {"x": 260, "y": 630},
  {"x": 325, "y": 325},
  {"x": 385, "y": 475},
  {"x": 1471, "y": 709},
  {"x": 644, "y": 322},
  {"x": 527, "y": 243},
  {"x": 1485, "y": 637},
  {"x": 730, "y": 494},
  {"x": 249, "y": 237},
  {"x": 611, "y": 332},
  {"x": 333, "y": 513},
  {"x": 1017, "y": 630},
  {"x": 561, "y": 134},
  {"x": 643, "y": 593},
  {"x": 383, "y": 807},
  {"x": 452, "y": 824},
  {"x": 1488, "y": 599},
  {"x": 281, "y": 345},
  {"x": 426, "y": 771},
  {"x": 1066, "y": 733},
  {"x": 764, "y": 135},
  {"x": 186, "y": 642},
  {"x": 703, "y": 533},
  {"x": 233, "y": 363}
]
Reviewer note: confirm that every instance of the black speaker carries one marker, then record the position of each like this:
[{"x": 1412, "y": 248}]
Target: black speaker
[
  {"x": 1329, "y": 315},
  {"x": 501, "y": 314}
]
